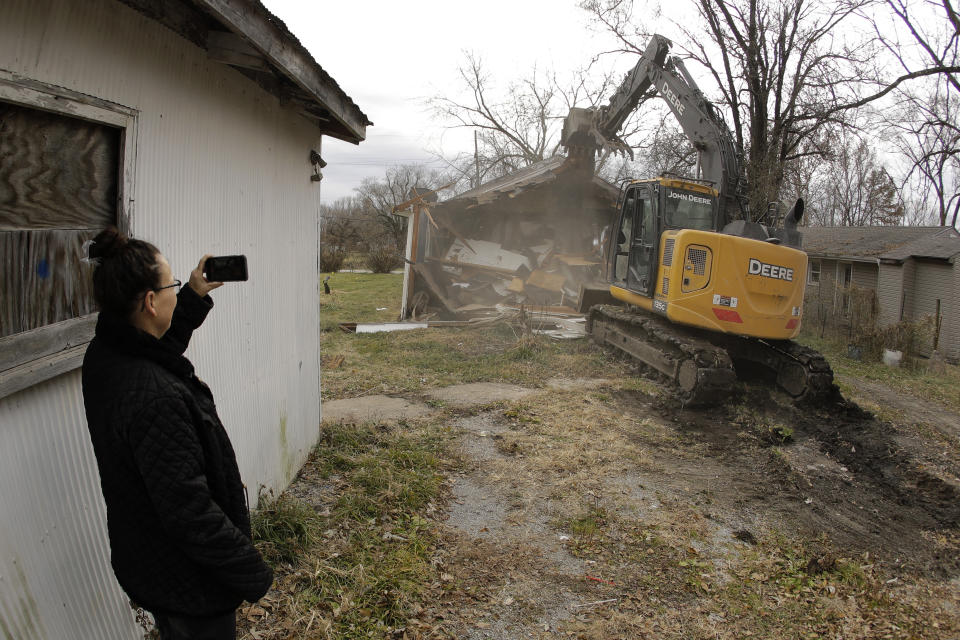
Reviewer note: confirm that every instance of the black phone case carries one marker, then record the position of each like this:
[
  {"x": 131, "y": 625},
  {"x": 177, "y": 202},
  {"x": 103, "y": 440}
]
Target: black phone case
[{"x": 226, "y": 269}]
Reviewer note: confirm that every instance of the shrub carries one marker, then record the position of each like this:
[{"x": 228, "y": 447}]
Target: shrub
[
  {"x": 911, "y": 338},
  {"x": 832, "y": 311},
  {"x": 331, "y": 260},
  {"x": 383, "y": 259}
]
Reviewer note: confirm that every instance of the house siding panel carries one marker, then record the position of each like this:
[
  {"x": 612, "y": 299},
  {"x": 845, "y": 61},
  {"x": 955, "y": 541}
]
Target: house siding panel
[
  {"x": 819, "y": 298},
  {"x": 950, "y": 346},
  {"x": 934, "y": 282},
  {"x": 865, "y": 275},
  {"x": 909, "y": 288},
  {"x": 889, "y": 293},
  {"x": 221, "y": 168}
]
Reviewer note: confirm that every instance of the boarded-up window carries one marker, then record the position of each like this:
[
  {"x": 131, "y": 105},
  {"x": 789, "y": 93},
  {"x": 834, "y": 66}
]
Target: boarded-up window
[{"x": 58, "y": 187}]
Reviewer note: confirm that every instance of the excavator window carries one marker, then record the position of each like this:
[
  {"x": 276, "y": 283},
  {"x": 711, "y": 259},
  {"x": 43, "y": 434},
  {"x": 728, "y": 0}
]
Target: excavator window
[
  {"x": 688, "y": 210},
  {"x": 641, "y": 250},
  {"x": 624, "y": 237}
]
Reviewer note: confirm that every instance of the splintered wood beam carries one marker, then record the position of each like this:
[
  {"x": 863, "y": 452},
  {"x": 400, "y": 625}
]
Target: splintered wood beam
[
  {"x": 426, "y": 210},
  {"x": 229, "y": 48},
  {"x": 424, "y": 272},
  {"x": 419, "y": 198}
]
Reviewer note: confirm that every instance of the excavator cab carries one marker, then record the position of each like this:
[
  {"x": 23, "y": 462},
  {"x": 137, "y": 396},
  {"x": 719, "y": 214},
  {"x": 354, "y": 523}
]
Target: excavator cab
[{"x": 648, "y": 208}]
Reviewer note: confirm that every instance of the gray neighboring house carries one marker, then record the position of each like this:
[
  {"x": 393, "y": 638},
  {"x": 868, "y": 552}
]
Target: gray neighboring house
[{"x": 914, "y": 271}]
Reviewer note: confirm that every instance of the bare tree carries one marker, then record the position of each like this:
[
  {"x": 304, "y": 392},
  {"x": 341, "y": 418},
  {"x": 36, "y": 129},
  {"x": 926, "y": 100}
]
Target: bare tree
[
  {"x": 928, "y": 130},
  {"x": 810, "y": 178},
  {"x": 519, "y": 123},
  {"x": 927, "y": 120},
  {"x": 933, "y": 27},
  {"x": 378, "y": 196},
  {"x": 341, "y": 224},
  {"x": 860, "y": 191},
  {"x": 787, "y": 70},
  {"x": 779, "y": 68}
]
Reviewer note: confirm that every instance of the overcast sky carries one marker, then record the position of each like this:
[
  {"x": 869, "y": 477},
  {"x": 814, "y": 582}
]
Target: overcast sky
[{"x": 391, "y": 56}]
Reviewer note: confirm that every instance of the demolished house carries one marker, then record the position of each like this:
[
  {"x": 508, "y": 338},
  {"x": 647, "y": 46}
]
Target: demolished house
[{"x": 534, "y": 237}]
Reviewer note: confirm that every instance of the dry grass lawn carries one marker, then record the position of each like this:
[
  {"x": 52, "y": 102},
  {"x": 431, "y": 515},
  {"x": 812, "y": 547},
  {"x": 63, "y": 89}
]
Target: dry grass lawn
[{"x": 600, "y": 511}]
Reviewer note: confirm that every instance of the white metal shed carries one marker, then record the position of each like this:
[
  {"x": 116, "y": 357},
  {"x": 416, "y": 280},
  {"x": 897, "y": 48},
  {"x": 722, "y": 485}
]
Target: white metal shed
[{"x": 191, "y": 124}]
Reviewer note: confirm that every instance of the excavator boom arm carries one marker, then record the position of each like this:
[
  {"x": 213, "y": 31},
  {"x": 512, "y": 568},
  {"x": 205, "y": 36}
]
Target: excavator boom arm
[{"x": 586, "y": 131}]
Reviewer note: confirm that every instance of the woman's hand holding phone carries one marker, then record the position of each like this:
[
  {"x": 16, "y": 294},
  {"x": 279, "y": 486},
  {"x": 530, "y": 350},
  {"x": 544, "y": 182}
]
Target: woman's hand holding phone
[{"x": 198, "y": 282}]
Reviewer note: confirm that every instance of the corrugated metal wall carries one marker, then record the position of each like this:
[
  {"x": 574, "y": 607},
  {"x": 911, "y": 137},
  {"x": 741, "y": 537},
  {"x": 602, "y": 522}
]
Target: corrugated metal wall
[
  {"x": 221, "y": 168},
  {"x": 55, "y": 575}
]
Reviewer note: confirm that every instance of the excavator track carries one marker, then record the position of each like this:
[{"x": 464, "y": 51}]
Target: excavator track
[
  {"x": 702, "y": 372},
  {"x": 703, "y": 366}
]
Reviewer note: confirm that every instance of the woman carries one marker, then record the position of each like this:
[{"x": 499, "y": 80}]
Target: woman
[{"x": 176, "y": 514}]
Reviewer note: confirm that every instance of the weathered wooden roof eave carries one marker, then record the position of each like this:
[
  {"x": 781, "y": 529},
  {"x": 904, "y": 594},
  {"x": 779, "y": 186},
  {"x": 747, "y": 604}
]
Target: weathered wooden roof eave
[{"x": 246, "y": 36}]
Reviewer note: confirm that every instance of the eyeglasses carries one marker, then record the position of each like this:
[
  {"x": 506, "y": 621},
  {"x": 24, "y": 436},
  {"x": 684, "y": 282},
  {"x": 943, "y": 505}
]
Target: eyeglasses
[{"x": 176, "y": 283}]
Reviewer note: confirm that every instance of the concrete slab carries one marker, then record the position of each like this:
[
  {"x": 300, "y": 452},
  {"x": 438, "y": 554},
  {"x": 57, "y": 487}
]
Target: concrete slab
[
  {"x": 371, "y": 408},
  {"x": 468, "y": 395}
]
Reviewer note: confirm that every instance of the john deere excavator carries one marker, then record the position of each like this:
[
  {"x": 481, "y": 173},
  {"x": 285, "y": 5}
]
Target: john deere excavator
[{"x": 707, "y": 292}]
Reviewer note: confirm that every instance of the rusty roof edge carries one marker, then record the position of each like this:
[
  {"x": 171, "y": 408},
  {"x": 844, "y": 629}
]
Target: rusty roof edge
[{"x": 269, "y": 35}]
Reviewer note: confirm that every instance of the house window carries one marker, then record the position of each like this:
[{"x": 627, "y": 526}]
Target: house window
[
  {"x": 814, "y": 275},
  {"x": 64, "y": 176}
]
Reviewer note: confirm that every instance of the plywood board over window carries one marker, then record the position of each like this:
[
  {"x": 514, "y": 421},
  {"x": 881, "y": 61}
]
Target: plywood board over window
[
  {"x": 64, "y": 176},
  {"x": 58, "y": 188}
]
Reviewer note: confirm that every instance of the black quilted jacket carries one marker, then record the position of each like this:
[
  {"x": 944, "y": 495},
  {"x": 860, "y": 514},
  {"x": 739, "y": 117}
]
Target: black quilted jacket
[{"x": 178, "y": 521}]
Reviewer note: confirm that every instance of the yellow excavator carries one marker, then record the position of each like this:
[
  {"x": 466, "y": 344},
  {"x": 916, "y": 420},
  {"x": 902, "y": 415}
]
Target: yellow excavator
[{"x": 706, "y": 292}]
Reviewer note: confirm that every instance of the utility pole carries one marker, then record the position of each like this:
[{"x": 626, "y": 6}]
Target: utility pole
[{"x": 476, "y": 160}]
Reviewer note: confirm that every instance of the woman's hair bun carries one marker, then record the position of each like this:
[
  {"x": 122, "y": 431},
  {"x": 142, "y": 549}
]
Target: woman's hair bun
[
  {"x": 125, "y": 269},
  {"x": 108, "y": 243}
]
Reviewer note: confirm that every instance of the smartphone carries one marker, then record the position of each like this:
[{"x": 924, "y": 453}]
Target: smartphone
[{"x": 226, "y": 268}]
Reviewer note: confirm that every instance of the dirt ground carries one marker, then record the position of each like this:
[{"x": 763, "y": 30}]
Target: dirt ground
[{"x": 586, "y": 509}]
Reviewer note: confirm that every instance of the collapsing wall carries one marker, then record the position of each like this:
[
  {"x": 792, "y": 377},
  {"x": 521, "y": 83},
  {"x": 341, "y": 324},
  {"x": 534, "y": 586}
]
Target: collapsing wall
[{"x": 534, "y": 237}]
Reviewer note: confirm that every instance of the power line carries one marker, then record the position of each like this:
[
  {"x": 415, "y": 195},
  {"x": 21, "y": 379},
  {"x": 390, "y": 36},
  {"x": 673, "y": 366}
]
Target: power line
[{"x": 387, "y": 161}]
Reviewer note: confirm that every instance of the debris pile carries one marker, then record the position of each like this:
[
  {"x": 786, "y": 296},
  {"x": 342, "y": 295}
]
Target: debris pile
[
  {"x": 474, "y": 275},
  {"x": 533, "y": 238}
]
